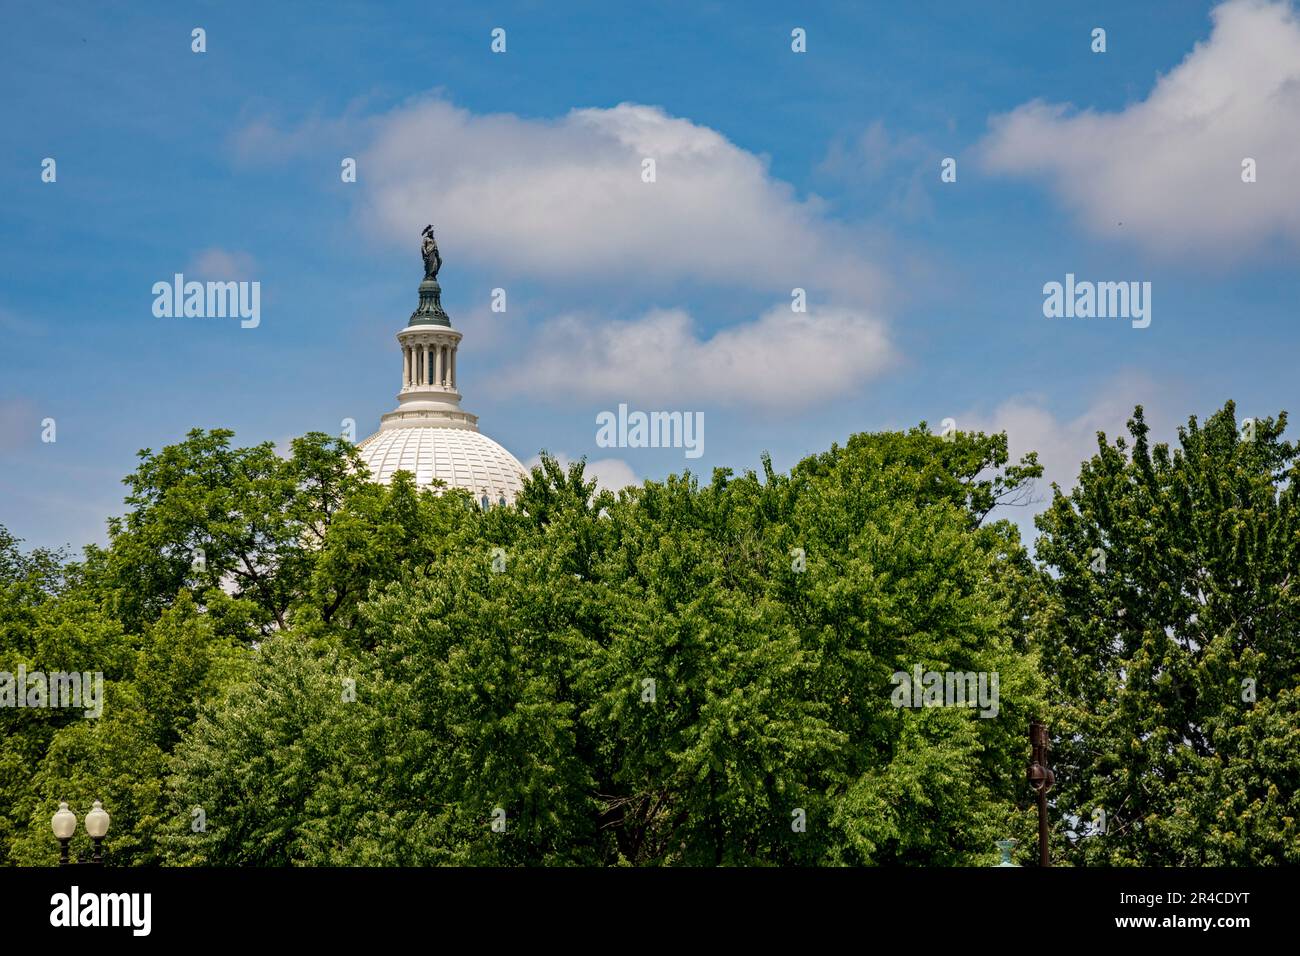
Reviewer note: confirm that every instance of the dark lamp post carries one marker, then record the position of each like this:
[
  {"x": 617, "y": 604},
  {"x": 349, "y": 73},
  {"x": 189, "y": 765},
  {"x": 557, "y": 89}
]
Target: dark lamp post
[{"x": 1041, "y": 779}]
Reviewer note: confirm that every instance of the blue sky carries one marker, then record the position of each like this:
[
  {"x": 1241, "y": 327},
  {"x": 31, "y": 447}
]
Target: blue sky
[{"x": 776, "y": 170}]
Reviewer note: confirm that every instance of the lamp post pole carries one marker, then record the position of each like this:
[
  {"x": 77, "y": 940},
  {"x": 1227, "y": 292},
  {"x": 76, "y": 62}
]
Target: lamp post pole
[{"x": 1041, "y": 779}]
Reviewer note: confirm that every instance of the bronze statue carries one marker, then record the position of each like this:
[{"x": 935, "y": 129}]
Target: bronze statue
[{"x": 429, "y": 249}]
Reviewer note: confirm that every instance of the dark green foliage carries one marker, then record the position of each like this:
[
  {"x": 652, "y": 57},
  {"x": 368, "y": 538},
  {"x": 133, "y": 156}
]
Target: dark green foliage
[
  {"x": 685, "y": 673},
  {"x": 204, "y": 514},
  {"x": 644, "y": 679},
  {"x": 1175, "y": 671}
]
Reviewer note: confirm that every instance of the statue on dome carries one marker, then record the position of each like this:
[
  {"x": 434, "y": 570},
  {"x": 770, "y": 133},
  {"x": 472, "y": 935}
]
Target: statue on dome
[{"x": 429, "y": 249}]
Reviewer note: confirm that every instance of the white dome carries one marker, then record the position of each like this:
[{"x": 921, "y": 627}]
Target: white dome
[{"x": 461, "y": 457}]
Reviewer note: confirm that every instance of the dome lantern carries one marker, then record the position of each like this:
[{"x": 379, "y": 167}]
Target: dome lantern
[{"x": 429, "y": 434}]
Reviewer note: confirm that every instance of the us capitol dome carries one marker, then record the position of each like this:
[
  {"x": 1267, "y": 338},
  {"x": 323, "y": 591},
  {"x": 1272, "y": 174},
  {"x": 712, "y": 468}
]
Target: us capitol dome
[{"x": 428, "y": 433}]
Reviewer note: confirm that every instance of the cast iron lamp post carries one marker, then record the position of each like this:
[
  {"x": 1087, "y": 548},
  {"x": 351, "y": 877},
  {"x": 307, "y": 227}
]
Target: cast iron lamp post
[
  {"x": 64, "y": 825},
  {"x": 1041, "y": 779}
]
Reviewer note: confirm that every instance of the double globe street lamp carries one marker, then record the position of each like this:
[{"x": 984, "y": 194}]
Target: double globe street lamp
[{"x": 64, "y": 825}]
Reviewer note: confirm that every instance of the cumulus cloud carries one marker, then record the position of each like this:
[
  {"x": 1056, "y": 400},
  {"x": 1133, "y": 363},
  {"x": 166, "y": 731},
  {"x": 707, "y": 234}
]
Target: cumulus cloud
[
  {"x": 612, "y": 474},
  {"x": 1170, "y": 166},
  {"x": 1064, "y": 442},
  {"x": 564, "y": 199},
  {"x": 781, "y": 359}
]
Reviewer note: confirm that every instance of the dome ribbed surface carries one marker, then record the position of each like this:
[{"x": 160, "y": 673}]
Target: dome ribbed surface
[{"x": 458, "y": 456}]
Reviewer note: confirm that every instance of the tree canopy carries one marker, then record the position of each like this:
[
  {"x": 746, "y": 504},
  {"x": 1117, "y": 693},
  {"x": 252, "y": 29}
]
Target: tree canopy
[
  {"x": 303, "y": 667},
  {"x": 1173, "y": 654}
]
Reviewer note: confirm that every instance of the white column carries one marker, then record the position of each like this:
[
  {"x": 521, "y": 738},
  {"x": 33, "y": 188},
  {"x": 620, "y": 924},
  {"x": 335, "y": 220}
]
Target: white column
[
  {"x": 453, "y": 366},
  {"x": 424, "y": 367},
  {"x": 437, "y": 365},
  {"x": 406, "y": 366}
]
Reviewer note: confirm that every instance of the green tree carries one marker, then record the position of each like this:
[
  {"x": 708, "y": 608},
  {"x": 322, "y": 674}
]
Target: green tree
[
  {"x": 648, "y": 678},
  {"x": 54, "y": 618},
  {"x": 252, "y": 761},
  {"x": 1173, "y": 660},
  {"x": 205, "y": 515},
  {"x": 65, "y": 632},
  {"x": 29, "y": 583}
]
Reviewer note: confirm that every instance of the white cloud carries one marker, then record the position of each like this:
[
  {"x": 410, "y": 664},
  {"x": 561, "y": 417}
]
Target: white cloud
[
  {"x": 220, "y": 265},
  {"x": 782, "y": 359},
  {"x": 611, "y": 474},
  {"x": 564, "y": 199},
  {"x": 1169, "y": 167},
  {"x": 1064, "y": 443}
]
